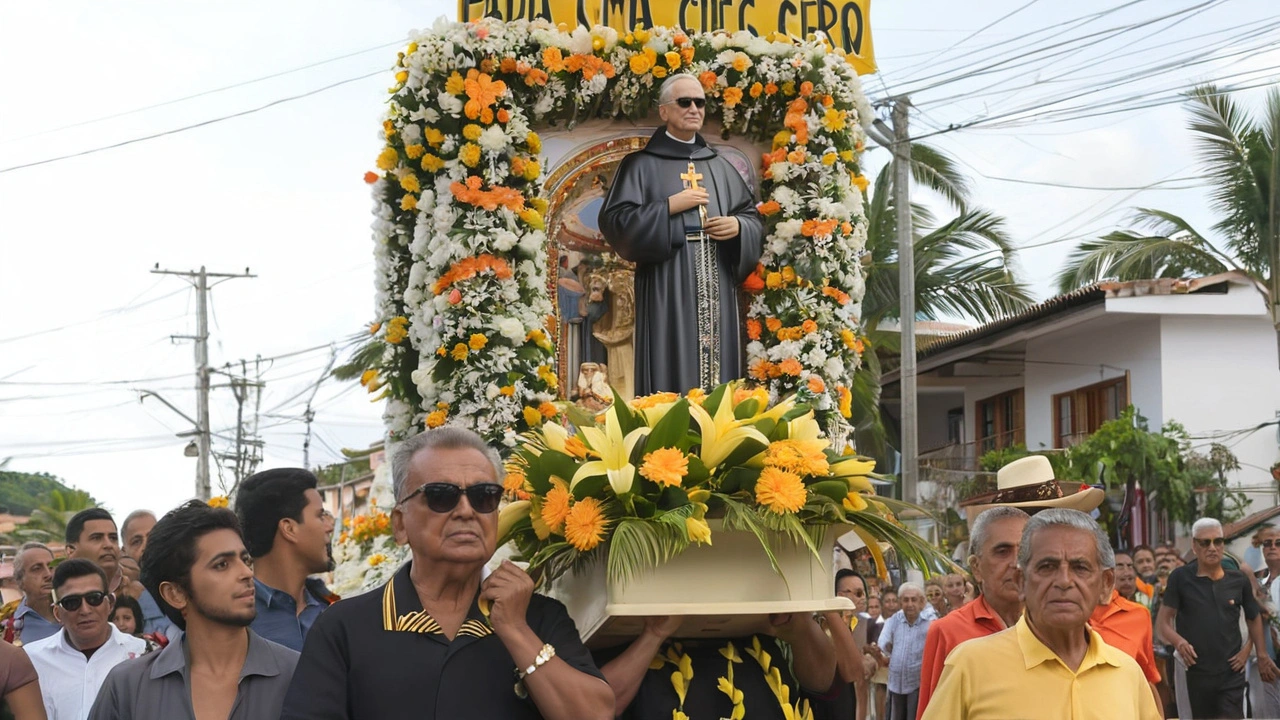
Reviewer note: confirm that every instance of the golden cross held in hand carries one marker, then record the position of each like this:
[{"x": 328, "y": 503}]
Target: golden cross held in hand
[{"x": 691, "y": 179}]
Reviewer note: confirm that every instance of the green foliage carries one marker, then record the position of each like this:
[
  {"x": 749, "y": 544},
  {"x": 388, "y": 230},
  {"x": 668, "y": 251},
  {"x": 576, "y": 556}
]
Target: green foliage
[
  {"x": 338, "y": 473},
  {"x": 21, "y": 493},
  {"x": 48, "y": 522},
  {"x": 993, "y": 460}
]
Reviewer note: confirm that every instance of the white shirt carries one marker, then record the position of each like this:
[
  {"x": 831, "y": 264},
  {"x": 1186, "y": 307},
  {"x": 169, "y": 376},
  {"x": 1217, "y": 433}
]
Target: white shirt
[{"x": 69, "y": 681}]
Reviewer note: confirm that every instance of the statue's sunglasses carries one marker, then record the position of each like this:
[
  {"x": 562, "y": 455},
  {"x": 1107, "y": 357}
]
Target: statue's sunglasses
[
  {"x": 71, "y": 603},
  {"x": 685, "y": 102},
  {"x": 443, "y": 497}
]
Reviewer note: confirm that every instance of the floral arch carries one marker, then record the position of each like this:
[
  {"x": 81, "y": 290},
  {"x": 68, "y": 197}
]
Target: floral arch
[{"x": 465, "y": 325}]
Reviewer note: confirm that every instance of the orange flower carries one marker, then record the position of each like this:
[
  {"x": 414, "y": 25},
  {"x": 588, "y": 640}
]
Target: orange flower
[
  {"x": 548, "y": 410},
  {"x": 771, "y": 207},
  {"x": 585, "y": 525},
  {"x": 753, "y": 328},
  {"x": 818, "y": 228},
  {"x": 468, "y": 268},
  {"x": 514, "y": 481},
  {"x": 482, "y": 92},
  {"x": 770, "y": 88},
  {"x": 772, "y": 323},
  {"x": 779, "y": 491},
  {"x": 536, "y": 76},
  {"x": 504, "y": 116},
  {"x": 791, "y": 366},
  {"x": 553, "y": 59},
  {"x": 371, "y": 177},
  {"x": 756, "y": 90},
  {"x": 665, "y": 466},
  {"x": 755, "y": 281},
  {"x": 803, "y": 457},
  {"x": 575, "y": 447},
  {"x": 809, "y": 326},
  {"x": 797, "y": 156},
  {"x": 816, "y": 386},
  {"x": 508, "y": 65},
  {"x": 436, "y": 418},
  {"x": 732, "y": 96},
  {"x": 846, "y": 401},
  {"x": 646, "y": 402},
  {"x": 492, "y": 199},
  {"x": 838, "y": 295},
  {"x": 759, "y": 369},
  {"x": 806, "y": 89},
  {"x": 556, "y": 506},
  {"x": 708, "y": 79}
]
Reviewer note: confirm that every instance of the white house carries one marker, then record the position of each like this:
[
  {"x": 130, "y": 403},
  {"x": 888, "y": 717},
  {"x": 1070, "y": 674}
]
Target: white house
[{"x": 1201, "y": 352}]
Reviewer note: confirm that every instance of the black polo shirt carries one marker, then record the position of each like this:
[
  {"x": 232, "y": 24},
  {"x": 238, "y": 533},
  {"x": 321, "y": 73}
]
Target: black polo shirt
[
  {"x": 380, "y": 656},
  {"x": 1208, "y": 614}
]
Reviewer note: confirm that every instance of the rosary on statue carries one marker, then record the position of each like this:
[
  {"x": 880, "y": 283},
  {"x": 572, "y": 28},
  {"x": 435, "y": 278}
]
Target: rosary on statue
[{"x": 706, "y": 278}]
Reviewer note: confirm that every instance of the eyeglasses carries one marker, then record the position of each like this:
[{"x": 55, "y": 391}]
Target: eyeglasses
[
  {"x": 443, "y": 497},
  {"x": 685, "y": 102},
  {"x": 1270, "y": 543},
  {"x": 1206, "y": 542},
  {"x": 71, "y": 603}
]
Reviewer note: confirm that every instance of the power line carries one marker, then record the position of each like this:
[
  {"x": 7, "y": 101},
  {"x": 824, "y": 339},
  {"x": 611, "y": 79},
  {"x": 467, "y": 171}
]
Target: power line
[
  {"x": 203, "y": 93},
  {"x": 193, "y": 126}
]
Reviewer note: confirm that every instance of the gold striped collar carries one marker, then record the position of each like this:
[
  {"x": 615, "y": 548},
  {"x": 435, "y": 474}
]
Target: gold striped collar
[{"x": 420, "y": 621}]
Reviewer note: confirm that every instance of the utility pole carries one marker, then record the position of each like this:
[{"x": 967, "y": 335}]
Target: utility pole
[
  {"x": 200, "y": 280},
  {"x": 906, "y": 297}
]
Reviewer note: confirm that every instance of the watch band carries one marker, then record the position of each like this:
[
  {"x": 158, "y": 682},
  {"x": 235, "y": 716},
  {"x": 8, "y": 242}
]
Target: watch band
[{"x": 544, "y": 656}]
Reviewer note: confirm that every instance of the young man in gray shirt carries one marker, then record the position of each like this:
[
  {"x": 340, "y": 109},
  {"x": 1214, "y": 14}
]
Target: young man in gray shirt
[{"x": 197, "y": 569}]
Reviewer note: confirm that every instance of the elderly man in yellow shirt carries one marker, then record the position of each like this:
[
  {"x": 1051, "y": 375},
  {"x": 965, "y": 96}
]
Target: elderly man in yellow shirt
[{"x": 1051, "y": 664}]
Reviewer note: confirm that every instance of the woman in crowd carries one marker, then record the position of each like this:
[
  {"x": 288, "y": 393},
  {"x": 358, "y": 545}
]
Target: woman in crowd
[
  {"x": 936, "y": 595},
  {"x": 127, "y": 616},
  {"x": 19, "y": 691},
  {"x": 953, "y": 587}
]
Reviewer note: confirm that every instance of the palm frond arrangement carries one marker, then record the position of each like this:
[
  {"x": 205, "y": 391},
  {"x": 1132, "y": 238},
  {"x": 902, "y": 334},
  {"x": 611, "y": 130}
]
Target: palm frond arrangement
[{"x": 636, "y": 485}]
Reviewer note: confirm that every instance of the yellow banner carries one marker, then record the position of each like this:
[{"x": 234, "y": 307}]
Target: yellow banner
[{"x": 846, "y": 22}]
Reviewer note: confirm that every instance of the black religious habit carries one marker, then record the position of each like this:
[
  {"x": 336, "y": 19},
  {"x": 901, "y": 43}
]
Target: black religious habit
[{"x": 637, "y": 223}]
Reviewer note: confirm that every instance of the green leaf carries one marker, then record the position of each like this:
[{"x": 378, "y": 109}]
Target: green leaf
[
  {"x": 712, "y": 402},
  {"x": 669, "y": 431},
  {"x": 590, "y": 486},
  {"x": 739, "y": 479},
  {"x": 746, "y": 408},
  {"x": 638, "y": 546},
  {"x": 673, "y": 497},
  {"x": 628, "y": 420},
  {"x": 698, "y": 472},
  {"x": 834, "y": 489},
  {"x": 748, "y": 449}
]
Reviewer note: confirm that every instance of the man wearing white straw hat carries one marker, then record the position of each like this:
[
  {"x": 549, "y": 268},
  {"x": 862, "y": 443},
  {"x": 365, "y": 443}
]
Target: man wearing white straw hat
[{"x": 994, "y": 538}]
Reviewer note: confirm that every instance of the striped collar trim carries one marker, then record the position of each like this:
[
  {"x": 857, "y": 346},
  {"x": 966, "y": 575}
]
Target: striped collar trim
[{"x": 420, "y": 621}]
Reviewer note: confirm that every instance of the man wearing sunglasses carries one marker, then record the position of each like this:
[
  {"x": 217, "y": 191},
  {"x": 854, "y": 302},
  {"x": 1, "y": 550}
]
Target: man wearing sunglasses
[
  {"x": 693, "y": 247},
  {"x": 437, "y": 641},
  {"x": 1200, "y": 617},
  {"x": 74, "y": 663}
]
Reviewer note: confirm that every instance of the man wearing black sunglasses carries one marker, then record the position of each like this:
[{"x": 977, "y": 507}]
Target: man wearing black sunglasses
[
  {"x": 685, "y": 216},
  {"x": 73, "y": 663},
  {"x": 440, "y": 640},
  {"x": 1200, "y": 617}
]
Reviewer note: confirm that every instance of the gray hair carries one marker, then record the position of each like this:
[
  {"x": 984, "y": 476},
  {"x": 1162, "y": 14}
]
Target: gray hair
[
  {"x": 449, "y": 437},
  {"x": 982, "y": 526},
  {"x": 1064, "y": 517},
  {"x": 20, "y": 567},
  {"x": 1205, "y": 524},
  {"x": 668, "y": 87},
  {"x": 124, "y": 527},
  {"x": 908, "y": 585}
]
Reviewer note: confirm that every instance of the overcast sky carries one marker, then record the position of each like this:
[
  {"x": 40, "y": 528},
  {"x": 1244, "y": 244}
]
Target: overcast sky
[{"x": 84, "y": 326}]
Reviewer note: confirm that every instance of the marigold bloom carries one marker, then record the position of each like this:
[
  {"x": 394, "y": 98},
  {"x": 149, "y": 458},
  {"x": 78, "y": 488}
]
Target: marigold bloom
[
  {"x": 388, "y": 158},
  {"x": 846, "y": 401},
  {"x": 771, "y": 207},
  {"x": 432, "y": 163},
  {"x": 772, "y": 323},
  {"x": 773, "y": 280},
  {"x": 472, "y": 131},
  {"x": 409, "y": 202},
  {"x": 802, "y": 457},
  {"x": 477, "y": 341},
  {"x": 665, "y": 466},
  {"x": 533, "y": 142},
  {"x": 759, "y": 369},
  {"x": 219, "y": 501},
  {"x": 809, "y": 326},
  {"x": 779, "y": 491},
  {"x": 409, "y": 182},
  {"x": 454, "y": 85},
  {"x": 397, "y": 329},
  {"x": 514, "y": 481},
  {"x": 553, "y": 59},
  {"x": 860, "y": 181},
  {"x": 436, "y": 418},
  {"x": 460, "y": 352},
  {"x": 414, "y": 151},
  {"x": 469, "y": 154},
  {"x": 556, "y": 505},
  {"x": 753, "y": 328},
  {"x": 816, "y": 386},
  {"x": 547, "y": 410},
  {"x": 791, "y": 366},
  {"x": 732, "y": 96},
  {"x": 585, "y": 525},
  {"x": 532, "y": 417}
]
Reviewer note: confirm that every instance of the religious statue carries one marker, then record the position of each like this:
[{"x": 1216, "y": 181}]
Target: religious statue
[
  {"x": 593, "y": 386},
  {"x": 616, "y": 330},
  {"x": 684, "y": 215}
]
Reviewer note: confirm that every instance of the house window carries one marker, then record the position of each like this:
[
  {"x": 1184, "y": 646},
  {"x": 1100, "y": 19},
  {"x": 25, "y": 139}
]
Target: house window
[
  {"x": 1079, "y": 413},
  {"x": 999, "y": 421},
  {"x": 955, "y": 426}
]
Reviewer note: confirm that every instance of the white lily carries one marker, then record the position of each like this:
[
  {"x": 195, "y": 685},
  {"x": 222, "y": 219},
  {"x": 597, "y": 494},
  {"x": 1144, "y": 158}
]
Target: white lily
[
  {"x": 555, "y": 436},
  {"x": 615, "y": 454},
  {"x": 722, "y": 434}
]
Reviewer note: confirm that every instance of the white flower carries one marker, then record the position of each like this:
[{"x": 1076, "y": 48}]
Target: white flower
[
  {"x": 504, "y": 240},
  {"x": 512, "y": 329},
  {"x": 411, "y": 133},
  {"x": 449, "y": 103},
  {"x": 493, "y": 139}
]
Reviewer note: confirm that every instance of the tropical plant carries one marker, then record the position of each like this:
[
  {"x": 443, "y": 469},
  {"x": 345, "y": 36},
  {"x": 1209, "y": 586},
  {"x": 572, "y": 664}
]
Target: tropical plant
[
  {"x": 48, "y": 523},
  {"x": 963, "y": 268},
  {"x": 1242, "y": 168},
  {"x": 637, "y": 485},
  {"x": 1208, "y": 471}
]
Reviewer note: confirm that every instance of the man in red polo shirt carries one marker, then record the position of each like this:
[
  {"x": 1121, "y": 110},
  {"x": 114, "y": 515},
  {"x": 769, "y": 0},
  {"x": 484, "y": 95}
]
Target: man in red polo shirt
[
  {"x": 1126, "y": 625},
  {"x": 993, "y": 543}
]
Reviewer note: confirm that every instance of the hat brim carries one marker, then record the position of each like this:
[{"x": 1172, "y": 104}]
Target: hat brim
[{"x": 1084, "y": 501}]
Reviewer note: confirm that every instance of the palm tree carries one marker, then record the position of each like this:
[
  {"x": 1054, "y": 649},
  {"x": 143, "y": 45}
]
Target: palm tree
[
  {"x": 48, "y": 523},
  {"x": 963, "y": 268},
  {"x": 1241, "y": 164}
]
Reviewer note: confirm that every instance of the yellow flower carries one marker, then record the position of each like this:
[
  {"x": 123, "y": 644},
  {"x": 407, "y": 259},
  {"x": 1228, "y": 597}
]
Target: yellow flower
[
  {"x": 436, "y": 418},
  {"x": 833, "y": 120},
  {"x": 414, "y": 151},
  {"x": 614, "y": 451},
  {"x": 219, "y": 502},
  {"x": 455, "y": 84},
  {"x": 641, "y": 35},
  {"x": 659, "y": 71},
  {"x": 539, "y": 338},
  {"x": 781, "y": 139},
  {"x": 469, "y": 154},
  {"x": 741, "y": 62},
  {"x": 402, "y": 76},
  {"x": 860, "y": 181},
  {"x": 574, "y": 446},
  {"x": 548, "y": 376},
  {"x": 673, "y": 59},
  {"x": 408, "y": 202},
  {"x": 410, "y": 183},
  {"x": 460, "y": 352},
  {"x": 639, "y": 63},
  {"x": 532, "y": 218},
  {"x": 788, "y": 88},
  {"x": 388, "y": 158},
  {"x": 431, "y": 163},
  {"x": 780, "y": 491},
  {"x": 539, "y": 204},
  {"x": 514, "y": 481},
  {"x": 585, "y": 524},
  {"x": 377, "y": 559},
  {"x": 829, "y": 159},
  {"x": 434, "y": 137},
  {"x": 854, "y": 502},
  {"x": 846, "y": 155},
  {"x": 397, "y": 329},
  {"x": 556, "y": 505},
  {"x": 472, "y": 131},
  {"x": 846, "y": 401},
  {"x": 665, "y": 466},
  {"x": 368, "y": 376},
  {"x": 477, "y": 341},
  {"x": 698, "y": 530},
  {"x": 532, "y": 417},
  {"x": 534, "y": 143},
  {"x": 803, "y": 457},
  {"x": 723, "y": 433},
  {"x": 531, "y": 170}
]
